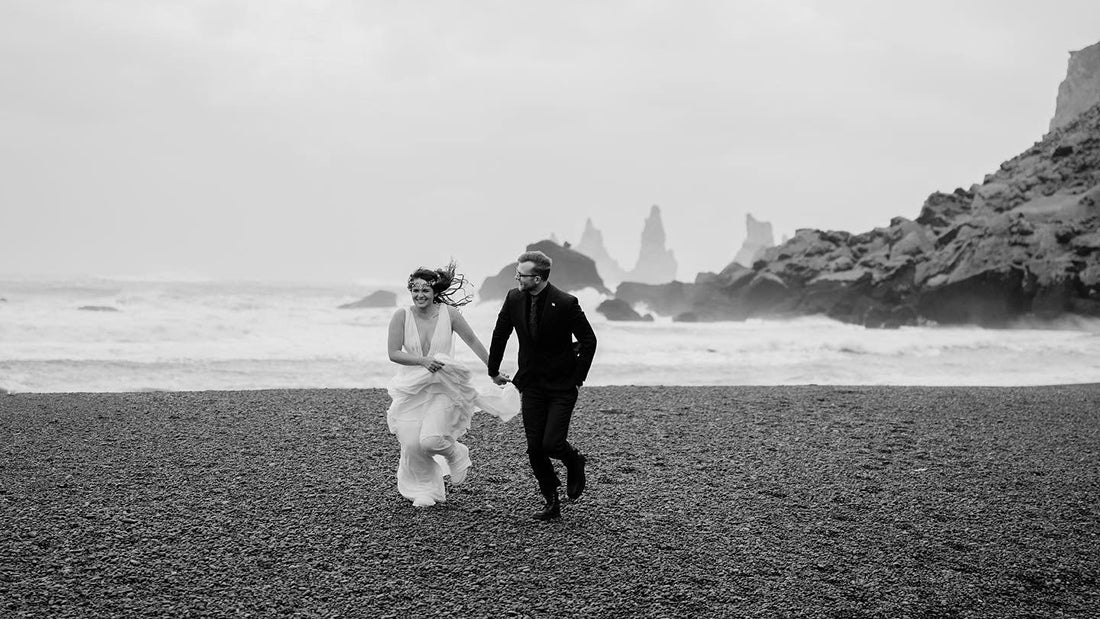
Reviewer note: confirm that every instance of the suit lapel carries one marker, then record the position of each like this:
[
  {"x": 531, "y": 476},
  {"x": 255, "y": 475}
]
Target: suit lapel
[
  {"x": 519, "y": 312},
  {"x": 550, "y": 307}
]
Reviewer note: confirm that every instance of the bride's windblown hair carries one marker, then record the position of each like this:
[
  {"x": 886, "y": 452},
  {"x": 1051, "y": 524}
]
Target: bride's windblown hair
[{"x": 449, "y": 286}]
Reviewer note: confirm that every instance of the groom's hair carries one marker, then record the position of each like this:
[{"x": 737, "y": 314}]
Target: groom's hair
[{"x": 541, "y": 260}]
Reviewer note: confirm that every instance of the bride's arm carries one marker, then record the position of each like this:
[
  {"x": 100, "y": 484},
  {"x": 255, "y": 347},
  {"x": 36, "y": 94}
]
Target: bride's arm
[
  {"x": 397, "y": 339},
  {"x": 462, "y": 328}
]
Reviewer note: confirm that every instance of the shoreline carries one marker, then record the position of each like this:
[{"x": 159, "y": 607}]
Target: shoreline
[
  {"x": 7, "y": 392},
  {"x": 707, "y": 501}
]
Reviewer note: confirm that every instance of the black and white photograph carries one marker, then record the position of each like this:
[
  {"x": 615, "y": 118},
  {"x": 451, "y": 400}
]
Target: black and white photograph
[{"x": 716, "y": 308}]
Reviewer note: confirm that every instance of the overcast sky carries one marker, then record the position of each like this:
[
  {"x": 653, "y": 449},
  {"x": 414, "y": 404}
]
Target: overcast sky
[{"x": 354, "y": 140}]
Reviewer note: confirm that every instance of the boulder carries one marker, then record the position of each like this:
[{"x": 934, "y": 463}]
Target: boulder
[
  {"x": 619, "y": 310},
  {"x": 378, "y": 298}
]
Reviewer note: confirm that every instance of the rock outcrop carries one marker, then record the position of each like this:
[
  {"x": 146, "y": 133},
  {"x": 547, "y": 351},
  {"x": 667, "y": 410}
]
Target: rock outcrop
[
  {"x": 758, "y": 237},
  {"x": 619, "y": 310},
  {"x": 1026, "y": 241},
  {"x": 1081, "y": 88},
  {"x": 571, "y": 271},
  {"x": 591, "y": 245},
  {"x": 656, "y": 264},
  {"x": 378, "y": 298}
]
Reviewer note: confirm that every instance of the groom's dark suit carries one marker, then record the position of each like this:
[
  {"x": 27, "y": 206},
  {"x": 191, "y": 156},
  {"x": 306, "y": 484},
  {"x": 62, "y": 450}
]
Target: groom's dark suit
[{"x": 551, "y": 369}]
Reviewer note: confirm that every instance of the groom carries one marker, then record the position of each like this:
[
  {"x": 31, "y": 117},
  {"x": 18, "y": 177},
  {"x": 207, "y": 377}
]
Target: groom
[{"x": 551, "y": 370}]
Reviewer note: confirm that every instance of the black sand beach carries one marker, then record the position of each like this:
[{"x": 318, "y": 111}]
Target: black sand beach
[{"x": 702, "y": 502}]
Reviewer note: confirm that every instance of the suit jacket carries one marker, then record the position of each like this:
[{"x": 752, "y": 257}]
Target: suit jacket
[{"x": 553, "y": 361}]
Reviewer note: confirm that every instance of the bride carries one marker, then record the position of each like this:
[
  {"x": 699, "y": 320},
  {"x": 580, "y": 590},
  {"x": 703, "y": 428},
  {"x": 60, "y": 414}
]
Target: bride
[{"x": 433, "y": 395}]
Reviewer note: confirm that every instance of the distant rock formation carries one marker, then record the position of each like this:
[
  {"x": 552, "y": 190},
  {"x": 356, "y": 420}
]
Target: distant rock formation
[
  {"x": 656, "y": 264},
  {"x": 591, "y": 245},
  {"x": 97, "y": 308},
  {"x": 378, "y": 298},
  {"x": 571, "y": 271},
  {"x": 1081, "y": 88},
  {"x": 758, "y": 237},
  {"x": 619, "y": 310}
]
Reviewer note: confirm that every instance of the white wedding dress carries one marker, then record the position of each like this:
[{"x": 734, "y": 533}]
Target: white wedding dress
[{"x": 431, "y": 411}]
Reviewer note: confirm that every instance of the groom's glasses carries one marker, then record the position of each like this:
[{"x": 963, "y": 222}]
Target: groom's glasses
[{"x": 519, "y": 275}]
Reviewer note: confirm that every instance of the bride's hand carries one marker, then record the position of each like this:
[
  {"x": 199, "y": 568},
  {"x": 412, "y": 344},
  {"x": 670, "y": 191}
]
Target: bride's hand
[{"x": 432, "y": 365}]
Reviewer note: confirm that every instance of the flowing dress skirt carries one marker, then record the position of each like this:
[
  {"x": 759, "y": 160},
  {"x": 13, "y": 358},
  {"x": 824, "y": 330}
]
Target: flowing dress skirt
[{"x": 429, "y": 413}]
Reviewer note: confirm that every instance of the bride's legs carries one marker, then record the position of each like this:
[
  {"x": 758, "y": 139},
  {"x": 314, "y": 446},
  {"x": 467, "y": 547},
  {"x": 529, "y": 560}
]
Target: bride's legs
[
  {"x": 455, "y": 453},
  {"x": 435, "y": 438},
  {"x": 419, "y": 477}
]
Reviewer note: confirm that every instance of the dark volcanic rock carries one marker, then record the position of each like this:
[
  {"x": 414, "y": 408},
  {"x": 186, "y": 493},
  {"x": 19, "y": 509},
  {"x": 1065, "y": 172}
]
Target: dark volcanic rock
[
  {"x": 378, "y": 298},
  {"x": 571, "y": 271},
  {"x": 619, "y": 310},
  {"x": 97, "y": 308},
  {"x": 1024, "y": 242}
]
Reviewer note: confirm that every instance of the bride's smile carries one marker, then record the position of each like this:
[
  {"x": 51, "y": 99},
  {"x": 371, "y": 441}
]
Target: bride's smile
[{"x": 422, "y": 295}]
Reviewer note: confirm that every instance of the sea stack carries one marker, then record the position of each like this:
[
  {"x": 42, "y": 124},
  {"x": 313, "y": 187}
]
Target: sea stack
[
  {"x": 591, "y": 245},
  {"x": 656, "y": 263},
  {"x": 758, "y": 237}
]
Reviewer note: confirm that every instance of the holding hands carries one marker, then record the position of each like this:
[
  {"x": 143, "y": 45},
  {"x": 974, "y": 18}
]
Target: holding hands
[{"x": 501, "y": 379}]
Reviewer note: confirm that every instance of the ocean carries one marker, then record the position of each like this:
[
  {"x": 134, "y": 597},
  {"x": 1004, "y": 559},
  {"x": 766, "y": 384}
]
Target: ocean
[{"x": 178, "y": 335}]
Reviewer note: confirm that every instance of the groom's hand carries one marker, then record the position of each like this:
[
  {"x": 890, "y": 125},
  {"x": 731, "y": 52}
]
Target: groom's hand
[{"x": 501, "y": 379}]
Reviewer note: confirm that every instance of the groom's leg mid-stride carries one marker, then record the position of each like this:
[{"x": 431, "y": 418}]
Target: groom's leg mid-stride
[{"x": 546, "y": 416}]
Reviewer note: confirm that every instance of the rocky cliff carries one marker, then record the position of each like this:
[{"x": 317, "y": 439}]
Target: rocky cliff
[
  {"x": 1081, "y": 88},
  {"x": 1023, "y": 242},
  {"x": 571, "y": 271},
  {"x": 656, "y": 264},
  {"x": 758, "y": 237}
]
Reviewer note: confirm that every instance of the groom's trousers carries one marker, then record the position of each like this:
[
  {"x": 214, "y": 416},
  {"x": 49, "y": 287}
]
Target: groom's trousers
[{"x": 546, "y": 416}]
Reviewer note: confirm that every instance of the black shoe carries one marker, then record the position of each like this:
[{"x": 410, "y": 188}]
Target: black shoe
[
  {"x": 574, "y": 486},
  {"x": 551, "y": 510}
]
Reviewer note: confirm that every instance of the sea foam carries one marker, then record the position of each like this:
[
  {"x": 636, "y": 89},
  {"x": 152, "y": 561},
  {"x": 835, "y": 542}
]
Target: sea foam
[{"x": 231, "y": 335}]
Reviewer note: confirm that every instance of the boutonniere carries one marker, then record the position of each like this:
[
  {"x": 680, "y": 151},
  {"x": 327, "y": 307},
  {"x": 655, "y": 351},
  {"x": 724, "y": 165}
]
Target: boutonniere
[{"x": 552, "y": 304}]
